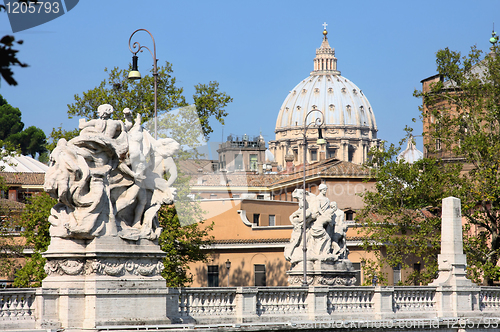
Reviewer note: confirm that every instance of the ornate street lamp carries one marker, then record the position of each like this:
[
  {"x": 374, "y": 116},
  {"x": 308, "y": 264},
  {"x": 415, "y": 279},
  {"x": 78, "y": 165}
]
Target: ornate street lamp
[
  {"x": 134, "y": 74},
  {"x": 228, "y": 266},
  {"x": 320, "y": 141}
]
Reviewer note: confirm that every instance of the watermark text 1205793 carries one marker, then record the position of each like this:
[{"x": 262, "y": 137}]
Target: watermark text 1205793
[{"x": 27, "y": 14}]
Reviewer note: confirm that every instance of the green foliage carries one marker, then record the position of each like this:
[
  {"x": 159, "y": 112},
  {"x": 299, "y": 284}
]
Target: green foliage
[
  {"x": 10, "y": 119},
  {"x": 464, "y": 115},
  {"x": 138, "y": 95},
  {"x": 8, "y": 58},
  {"x": 183, "y": 245},
  {"x": 34, "y": 219},
  {"x": 209, "y": 101},
  {"x": 10, "y": 248},
  {"x": 401, "y": 218},
  {"x": 30, "y": 141}
]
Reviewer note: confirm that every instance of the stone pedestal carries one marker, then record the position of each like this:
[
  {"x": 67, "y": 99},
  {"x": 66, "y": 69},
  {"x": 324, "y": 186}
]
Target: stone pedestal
[
  {"x": 456, "y": 294},
  {"x": 104, "y": 281},
  {"x": 339, "y": 273}
]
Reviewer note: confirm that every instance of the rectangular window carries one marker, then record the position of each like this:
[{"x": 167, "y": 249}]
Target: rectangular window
[
  {"x": 396, "y": 274},
  {"x": 295, "y": 155},
  {"x": 349, "y": 215},
  {"x": 330, "y": 153},
  {"x": 314, "y": 155},
  {"x": 260, "y": 196},
  {"x": 350, "y": 154},
  {"x": 238, "y": 161},
  {"x": 260, "y": 274},
  {"x": 213, "y": 275},
  {"x": 272, "y": 220},
  {"x": 357, "y": 268},
  {"x": 256, "y": 218},
  {"x": 253, "y": 162}
]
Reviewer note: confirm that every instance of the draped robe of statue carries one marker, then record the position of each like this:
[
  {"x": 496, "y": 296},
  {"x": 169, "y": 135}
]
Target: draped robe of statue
[
  {"x": 109, "y": 180},
  {"x": 325, "y": 230}
]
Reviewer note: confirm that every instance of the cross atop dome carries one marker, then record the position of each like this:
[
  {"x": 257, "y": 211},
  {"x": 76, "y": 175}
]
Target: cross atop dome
[{"x": 325, "y": 25}]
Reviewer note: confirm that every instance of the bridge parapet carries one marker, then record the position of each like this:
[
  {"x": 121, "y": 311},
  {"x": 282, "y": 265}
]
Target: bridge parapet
[
  {"x": 240, "y": 305},
  {"x": 277, "y": 304}
]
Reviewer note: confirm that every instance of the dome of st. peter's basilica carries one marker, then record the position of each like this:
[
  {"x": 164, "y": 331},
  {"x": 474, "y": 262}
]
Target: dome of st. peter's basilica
[{"x": 349, "y": 126}]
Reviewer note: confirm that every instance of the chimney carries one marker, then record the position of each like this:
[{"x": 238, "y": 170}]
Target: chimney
[
  {"x": 274, "y": 166},
  {"x": 289, "y": 163},
  {"x": 322, "y": 155}
]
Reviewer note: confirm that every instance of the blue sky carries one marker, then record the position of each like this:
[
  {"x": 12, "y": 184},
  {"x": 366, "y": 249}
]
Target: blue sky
[{"x": 257, "y": 50}]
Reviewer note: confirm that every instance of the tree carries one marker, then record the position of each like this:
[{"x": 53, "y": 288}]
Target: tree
[
  {"x": 462, "y": 111},
  {"x": 30, "y": 141},
  {"x": 138, "y": 95},
  {"x": 183, "y": 245},
  {"x": 209, "y": 101},
  {"x": 10, "y": 246},
  {"x": 401, "y": 218},
  {"x": 10, "y": 120},
  {"x": 34, "y": 220}
]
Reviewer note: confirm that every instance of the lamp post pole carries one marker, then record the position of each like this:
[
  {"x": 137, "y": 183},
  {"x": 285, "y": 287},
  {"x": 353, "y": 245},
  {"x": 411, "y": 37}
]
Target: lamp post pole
[
  {"x": 320, "y": 141},
  {"x": 134, "y": 74},
  {"x": 228, "y": 266}
]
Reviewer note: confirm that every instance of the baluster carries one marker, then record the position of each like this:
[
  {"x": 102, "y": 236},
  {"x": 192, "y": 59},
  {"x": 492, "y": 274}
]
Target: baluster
[
  {"x": 14, "y": 307},
  {"x": 3, "y": 306},
  {"x": 343, "y": 301},
  {"x": 263, "y": 302},
  {"x": 199, "y": 302},
  {"x": 225, "y": 303},
  {"x": 183, "y": 305},
  {"x": 24, "y": 306},
  {"x": 357, "y": 302},
  {"x": 189, "y": 303},
  {"x": 334, "y": 301},
  {"x": 212, "y": 303},
  {"x": 217, "y": 303}
]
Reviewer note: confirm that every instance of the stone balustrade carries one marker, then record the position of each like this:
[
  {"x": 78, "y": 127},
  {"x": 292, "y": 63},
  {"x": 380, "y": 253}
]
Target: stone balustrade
[
  {"x": 278, "y": 304},
  {"x": 350, "y": 300},
  {"x": 489, "y": 299},
  {"x": 212, "y": 302},
  {"x": 281, "y": 301},
  {"x": 412, "y": 299},
  {"x": 235, "y": 305},
  {"x": 17, "y": 308}
]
